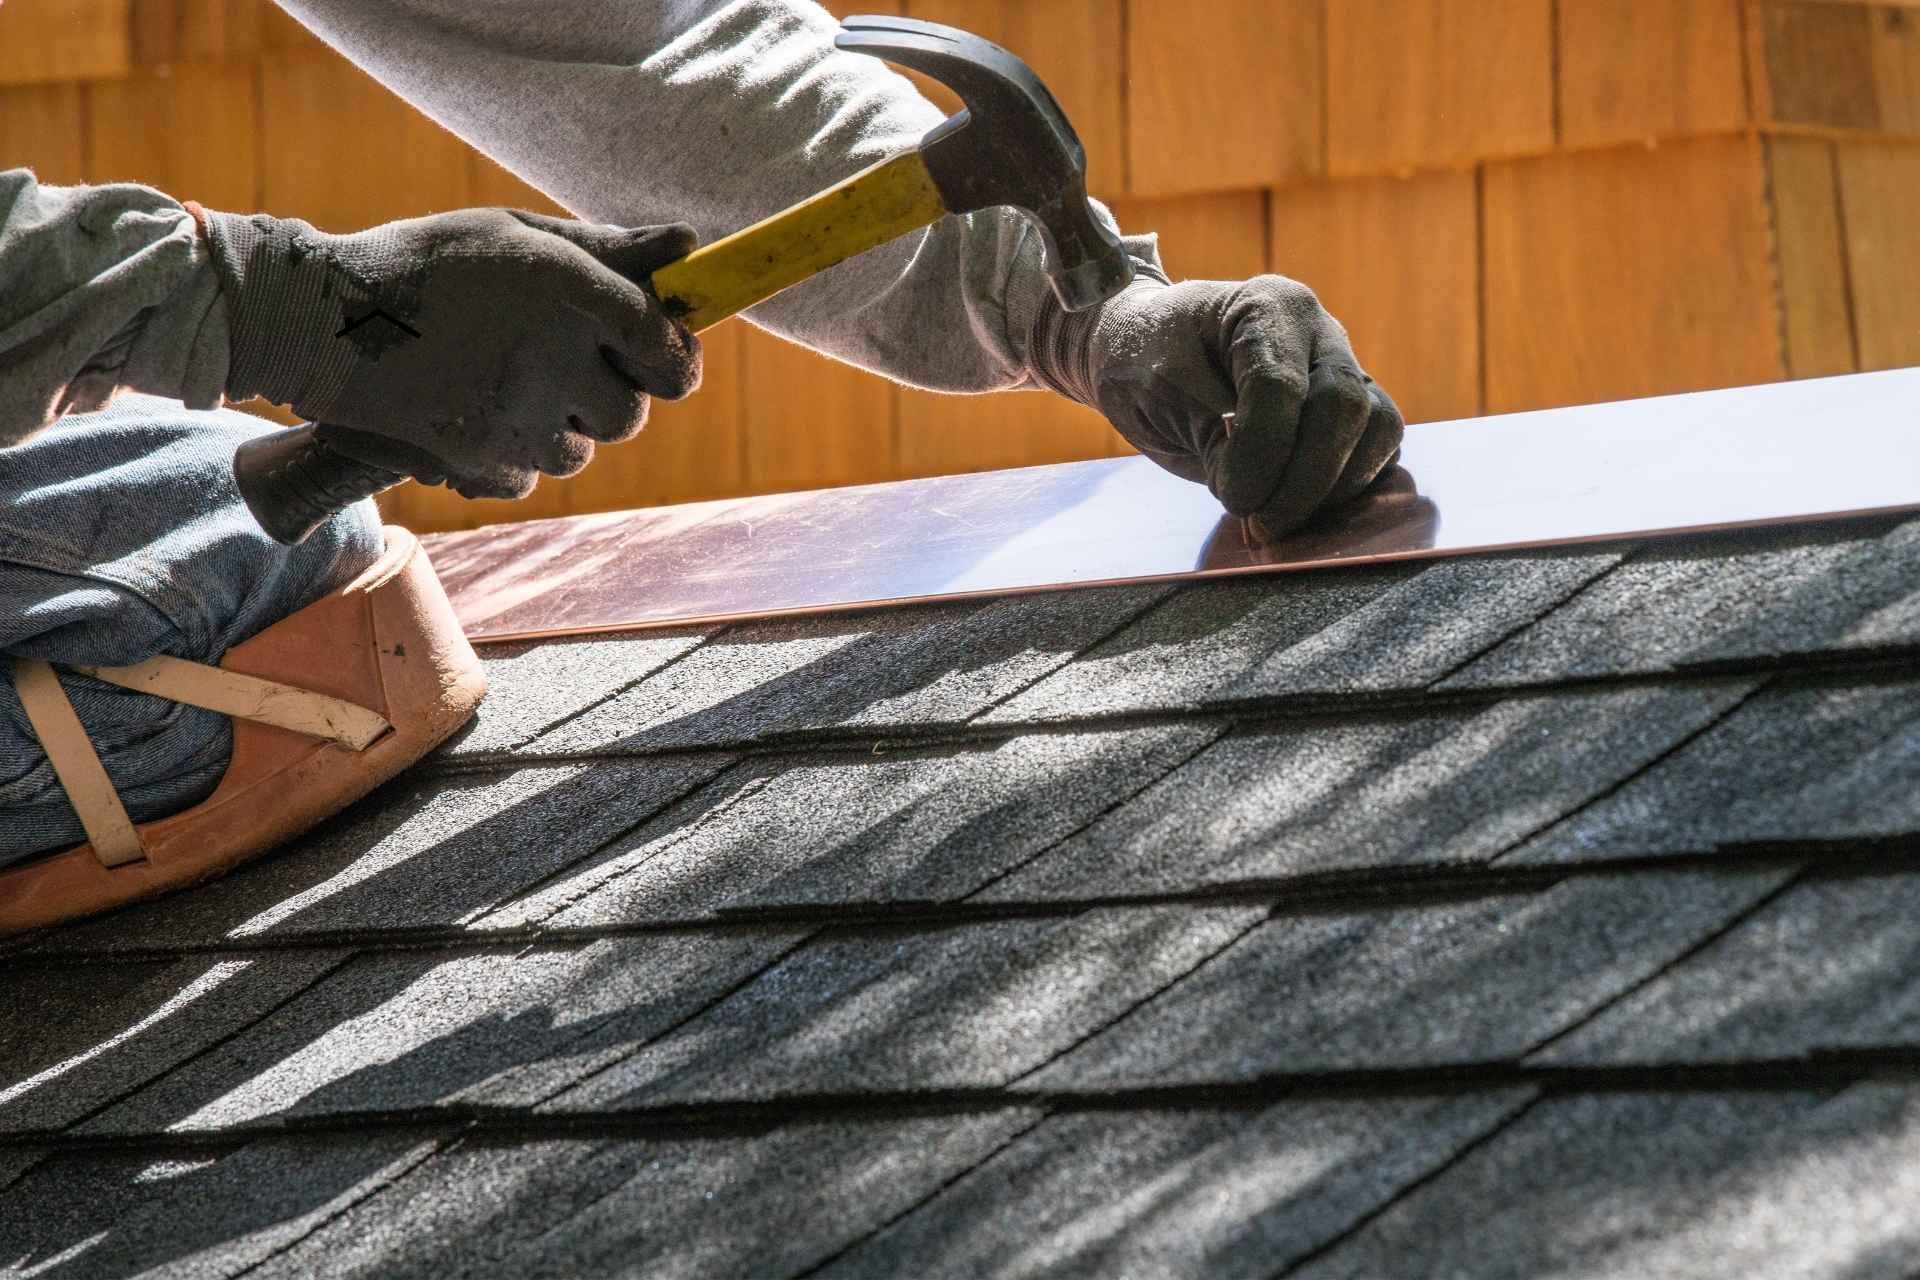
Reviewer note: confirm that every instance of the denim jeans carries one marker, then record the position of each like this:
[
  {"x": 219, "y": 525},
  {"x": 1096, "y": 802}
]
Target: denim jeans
[{"x": 121, "y": 537}]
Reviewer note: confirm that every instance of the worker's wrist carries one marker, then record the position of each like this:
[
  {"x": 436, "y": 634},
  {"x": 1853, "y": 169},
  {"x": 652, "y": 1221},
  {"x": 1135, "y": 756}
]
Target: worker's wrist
[
  {"x": 1062, "y": 348},
  {"x": 286, "y": 295},
  {"x": 1059, "y": 343}
]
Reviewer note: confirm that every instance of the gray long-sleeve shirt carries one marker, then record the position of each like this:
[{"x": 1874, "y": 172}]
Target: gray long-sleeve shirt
[
  {"x": 101, "y": 288},
  {"x": 713, "y": 112}
]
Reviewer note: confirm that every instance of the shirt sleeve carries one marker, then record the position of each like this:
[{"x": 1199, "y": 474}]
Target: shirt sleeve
[
  {"x": 717, "y": 113},
  {"x": 101, "y": 288}
]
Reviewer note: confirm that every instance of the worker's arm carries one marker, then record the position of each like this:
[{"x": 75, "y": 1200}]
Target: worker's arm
[
  {"x": 120, "y": 287},
  {"x": 722, "y": 112},
  {"x": 102, "y": 288},
  {"x": 718, "y": 113}
]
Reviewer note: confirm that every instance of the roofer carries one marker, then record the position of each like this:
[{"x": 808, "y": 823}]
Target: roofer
[{"x": 122, "y": 536}]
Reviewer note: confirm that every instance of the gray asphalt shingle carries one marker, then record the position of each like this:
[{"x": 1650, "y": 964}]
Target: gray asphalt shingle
[
  {"x": 1726, "y": 598},
  {"x": 16, "y": 1161},
  {"x": 1216, "y": 1193},
  {"x": 916, "y": 666},
  {"x": 1357, "y": 792},
  {"x": 1830, "y": 964},
  {"x": 537, "y": 685},
  {"x": 1681, "y": 1185},
  {"x": 400, "y": 1031},
  {"x": 967, "y": 1006},
  {"x": 191, "y": 1214},
  {"x": 1486, "y": 980},
  {"x": 1426, "y": 626},
  {"x": 74, "y": 1039},
  {"x": 751, "y": 679},
  {"x": 1193, "y": 648},
  {"x": 772, "y": 1205},
  {"x": 934, "y": 823},
  {"x": 1812, "y": 762},
  {"x": 1342, "y": 631}
]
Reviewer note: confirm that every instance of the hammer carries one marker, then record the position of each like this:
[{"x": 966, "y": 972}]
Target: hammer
[{"x": 1011, "y": 145}]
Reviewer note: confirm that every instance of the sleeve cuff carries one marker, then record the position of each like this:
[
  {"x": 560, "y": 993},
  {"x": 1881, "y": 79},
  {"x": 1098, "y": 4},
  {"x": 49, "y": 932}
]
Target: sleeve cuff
[{"x": 283, "y": 298}]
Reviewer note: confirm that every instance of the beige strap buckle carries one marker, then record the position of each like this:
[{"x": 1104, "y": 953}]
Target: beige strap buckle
[{"x": 115, "y": 840}]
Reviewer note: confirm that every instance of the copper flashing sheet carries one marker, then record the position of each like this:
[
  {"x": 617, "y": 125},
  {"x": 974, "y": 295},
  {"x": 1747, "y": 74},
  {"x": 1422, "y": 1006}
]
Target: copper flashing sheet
[{"x": 1753, "y": 455}]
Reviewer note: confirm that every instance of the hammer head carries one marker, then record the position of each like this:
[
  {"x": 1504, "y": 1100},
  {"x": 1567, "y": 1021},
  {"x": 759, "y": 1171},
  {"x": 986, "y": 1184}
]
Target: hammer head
[{"x": 1011, "y": 146}]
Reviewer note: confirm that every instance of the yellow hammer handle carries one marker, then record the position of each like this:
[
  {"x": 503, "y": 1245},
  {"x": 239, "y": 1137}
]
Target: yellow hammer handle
[
  {"x": 292, "y": 481},
  {"x": 867, "y": 210}
]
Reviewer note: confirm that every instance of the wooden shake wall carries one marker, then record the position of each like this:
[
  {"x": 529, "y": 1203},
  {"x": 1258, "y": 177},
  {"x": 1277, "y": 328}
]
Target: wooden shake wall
[{"x": 1511, "y": 203}]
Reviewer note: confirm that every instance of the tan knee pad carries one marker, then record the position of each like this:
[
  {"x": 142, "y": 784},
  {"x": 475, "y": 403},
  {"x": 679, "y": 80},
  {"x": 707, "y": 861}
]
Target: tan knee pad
[{"x": 328, "y": 703}]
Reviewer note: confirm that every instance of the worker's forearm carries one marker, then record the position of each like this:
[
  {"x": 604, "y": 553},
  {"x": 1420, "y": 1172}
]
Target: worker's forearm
[
  {"x": 101, "y": 288},
  {"x": 718, "y": 113}
]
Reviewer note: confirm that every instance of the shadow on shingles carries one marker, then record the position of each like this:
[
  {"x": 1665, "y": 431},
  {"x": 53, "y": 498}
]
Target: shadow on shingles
[
  {"x": 1384, "y": 791},
  {"x": 426, "y": 1029},
  {"x": 933, "y": 1011},
  {"x": 226, "y": 1067},
  {"x": 1655, "y": 1184},
  {"x": 418, "y": 852},
  {"x": 1884, "y": 1261},
  {"x": 836, "y": 687},
  {"x": 325, "y": 854},
  {"x": 1828, "y": 964},
  {"x": 1204, "y": 611},
  {"x": 909, "y": 845},
  {"x": 50, "y": 1208},
  {"x": 113, "y": 1215},
  {"x": 928, "y": 823},
  {"x": 1587, "y": 1177},
  {"x": 609, "y": 1208},
  {"x": 1198, "y": 1192},
  {"x": 445, "y": 880},
  {"x": 706, "y": 849},
  {"x": 1867, "y": 581},
  {"x": 1735, "y": 597},
  {"x": 1243, "y": 1194},
  {"x": 73, "y": 1045}
]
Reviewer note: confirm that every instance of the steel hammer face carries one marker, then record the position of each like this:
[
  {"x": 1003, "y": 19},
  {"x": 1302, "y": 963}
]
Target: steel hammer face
[{"x": 1011, "y": 146}]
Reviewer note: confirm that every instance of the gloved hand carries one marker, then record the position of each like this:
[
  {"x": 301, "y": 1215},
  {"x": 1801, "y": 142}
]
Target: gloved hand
[
  {"x": 478, "y": 347},
  {"x": 1165, "y": 363}
]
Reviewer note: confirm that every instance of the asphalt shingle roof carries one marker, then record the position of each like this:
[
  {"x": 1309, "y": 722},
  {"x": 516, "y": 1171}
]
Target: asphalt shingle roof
[{"x": 1512, "y": 915}]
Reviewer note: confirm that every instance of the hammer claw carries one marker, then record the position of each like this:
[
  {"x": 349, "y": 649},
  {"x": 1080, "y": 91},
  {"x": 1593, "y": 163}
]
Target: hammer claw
[{"x": 1011, "y": 146}]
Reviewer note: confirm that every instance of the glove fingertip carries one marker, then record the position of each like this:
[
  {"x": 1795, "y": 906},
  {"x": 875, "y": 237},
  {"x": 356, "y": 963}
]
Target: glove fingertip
[
  {"x": 1253, "y": 449},
  {"x": 674, "y": 239},
  {"x": 632, "y": 252},
  {"x": 660, "y": 371},
  {"x": 641, "y": 251}
]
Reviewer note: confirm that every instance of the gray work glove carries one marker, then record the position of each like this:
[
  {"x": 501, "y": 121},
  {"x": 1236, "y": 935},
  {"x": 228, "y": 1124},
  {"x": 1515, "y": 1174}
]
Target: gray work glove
[
  {"x": 1165, "y": 363},
  {"x": 476, "y": 347}
]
